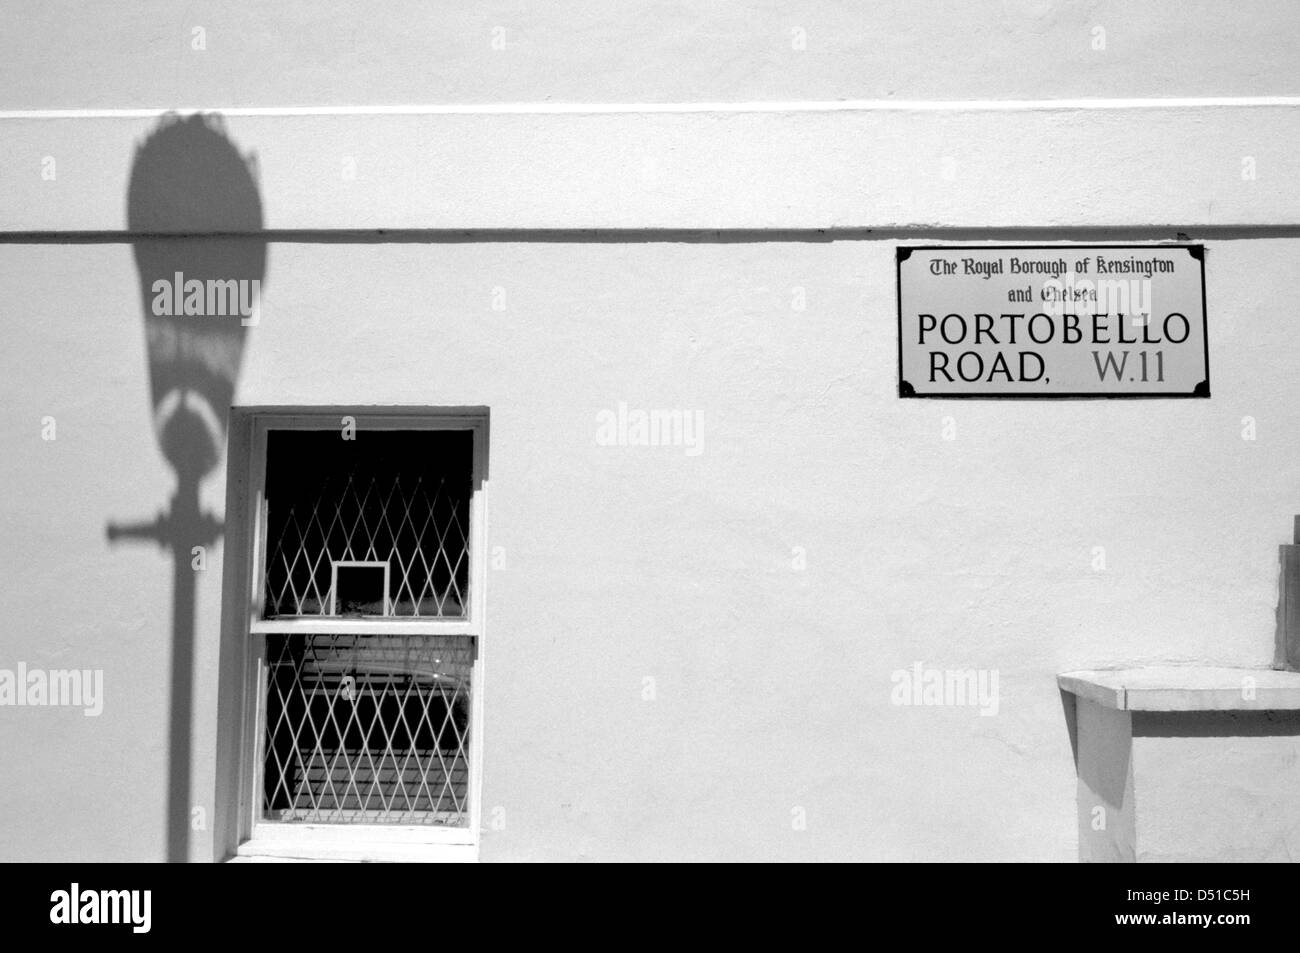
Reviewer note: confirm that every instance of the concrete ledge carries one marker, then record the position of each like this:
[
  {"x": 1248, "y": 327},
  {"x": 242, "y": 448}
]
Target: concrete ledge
[{"x": 1186, "y": 688}]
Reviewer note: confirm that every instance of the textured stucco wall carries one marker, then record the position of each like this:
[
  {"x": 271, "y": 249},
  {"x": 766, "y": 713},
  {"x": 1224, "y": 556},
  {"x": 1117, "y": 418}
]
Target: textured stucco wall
[
  {"x": 1217, "y": 786},
  {"x": 773, "y": 686},
  {"x": 297, "y": 53}
]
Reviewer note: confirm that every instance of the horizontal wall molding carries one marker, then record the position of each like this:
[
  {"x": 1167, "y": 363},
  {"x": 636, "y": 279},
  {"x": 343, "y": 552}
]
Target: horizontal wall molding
[
  {"x": 1086, "y": 164},
  {"x": 542, "y": 109}
]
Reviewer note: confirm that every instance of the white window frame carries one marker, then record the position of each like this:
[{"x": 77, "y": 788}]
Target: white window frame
[{"x": 262, "y": 838}]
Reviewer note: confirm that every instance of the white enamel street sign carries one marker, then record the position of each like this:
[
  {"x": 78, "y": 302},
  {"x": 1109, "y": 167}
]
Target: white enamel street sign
[{"x": 1055, "y": 321}]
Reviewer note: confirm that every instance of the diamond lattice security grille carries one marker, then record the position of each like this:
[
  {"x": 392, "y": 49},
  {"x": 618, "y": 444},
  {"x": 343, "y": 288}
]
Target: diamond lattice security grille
[
  {"x": 373, "y": 500},
  {"x": 368, "y": 729}
]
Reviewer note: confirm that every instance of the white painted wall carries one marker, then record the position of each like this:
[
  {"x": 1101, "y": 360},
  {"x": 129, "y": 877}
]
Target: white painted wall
[
  {"x": 1217, "y": 789},
  {"x": 772, "y": 686},
  {"x": 1088, "y": 164},
  {"x": 76, "y": 56}
]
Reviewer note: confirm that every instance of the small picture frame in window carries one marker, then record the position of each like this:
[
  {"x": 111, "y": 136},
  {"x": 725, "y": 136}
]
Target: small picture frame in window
[{"x": 359, "y": 587}]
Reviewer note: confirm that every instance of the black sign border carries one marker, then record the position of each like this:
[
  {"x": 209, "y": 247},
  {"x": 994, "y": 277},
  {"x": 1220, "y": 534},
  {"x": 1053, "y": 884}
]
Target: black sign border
[{"x": 906, "y": 390}]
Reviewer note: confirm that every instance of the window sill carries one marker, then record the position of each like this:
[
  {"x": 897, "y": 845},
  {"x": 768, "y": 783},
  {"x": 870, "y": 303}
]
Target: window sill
[
  {"x": 1186, "y": 688},
  {"x": 290, "y": 851}
]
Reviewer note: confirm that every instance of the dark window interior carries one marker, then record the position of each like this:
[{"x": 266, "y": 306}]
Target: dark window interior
[{"x": 395, "y": 496}]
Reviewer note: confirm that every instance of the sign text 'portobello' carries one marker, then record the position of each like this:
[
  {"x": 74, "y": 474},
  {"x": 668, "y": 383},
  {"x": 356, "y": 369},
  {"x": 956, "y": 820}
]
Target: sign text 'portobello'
[{"x": 1052, "y": 321}]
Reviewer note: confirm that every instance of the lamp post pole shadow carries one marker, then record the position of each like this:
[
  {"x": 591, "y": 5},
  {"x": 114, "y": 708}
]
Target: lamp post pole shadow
[{"x": 194, "y": 212}]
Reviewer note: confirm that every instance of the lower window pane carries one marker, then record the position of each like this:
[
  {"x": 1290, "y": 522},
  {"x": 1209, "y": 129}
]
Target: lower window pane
[{"x": 368, "y": 729}]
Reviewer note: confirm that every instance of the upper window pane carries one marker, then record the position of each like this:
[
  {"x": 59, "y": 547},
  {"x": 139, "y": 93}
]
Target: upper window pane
[{"x": 341, "y": 510}]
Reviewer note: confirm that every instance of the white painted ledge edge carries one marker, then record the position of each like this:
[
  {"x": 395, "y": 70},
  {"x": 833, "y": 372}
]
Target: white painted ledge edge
[
  {"x": 776, "y": 166},
  {"x": 266, "y": 851},
  {"x": 1186, "y": 688}
]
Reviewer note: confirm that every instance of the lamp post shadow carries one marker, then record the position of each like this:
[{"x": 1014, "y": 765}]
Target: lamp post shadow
[{"x": 195, "y": 216}]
